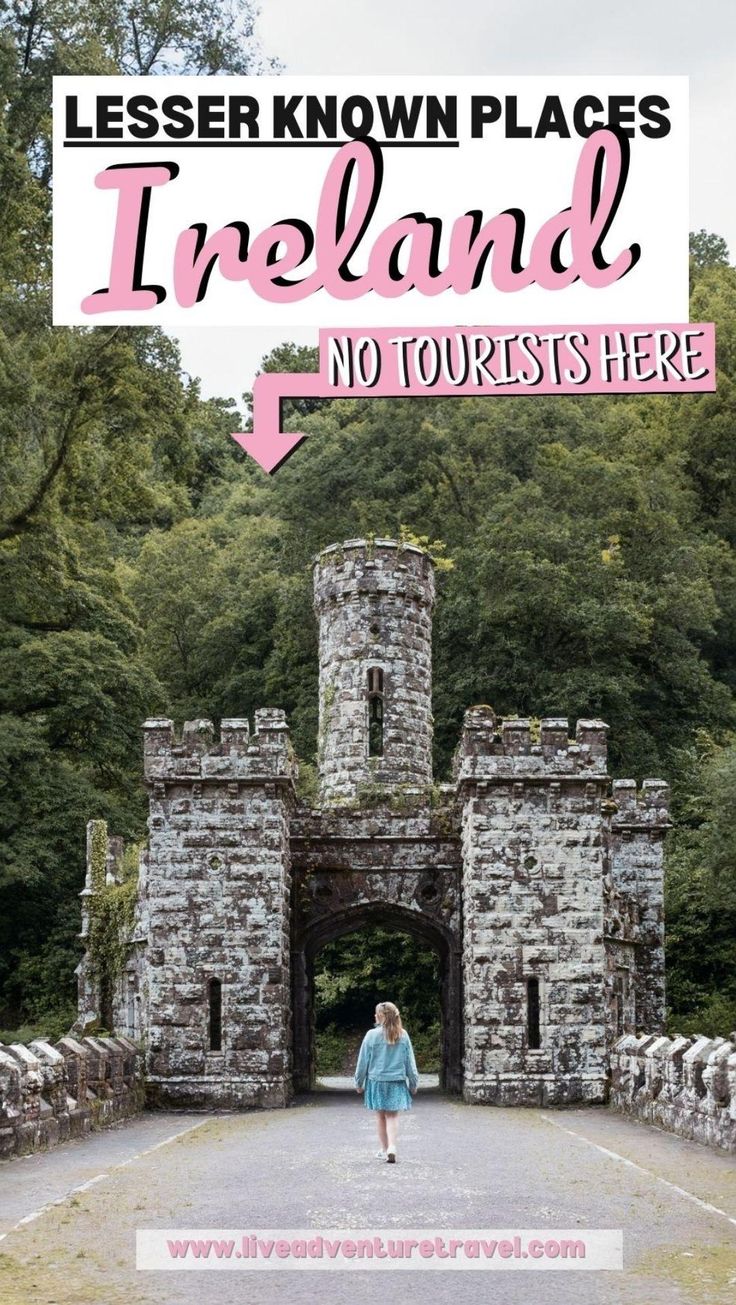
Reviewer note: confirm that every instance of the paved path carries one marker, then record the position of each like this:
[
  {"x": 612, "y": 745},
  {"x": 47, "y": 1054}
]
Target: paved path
[
  {"x": 313, "y": 1166},
  {"x": 344, "y": 1082}
]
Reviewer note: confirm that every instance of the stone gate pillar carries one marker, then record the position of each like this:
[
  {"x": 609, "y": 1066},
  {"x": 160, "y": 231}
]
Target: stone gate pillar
[
  {"x": 218, "y": 999},
  {"x": 533, "y": 864}
]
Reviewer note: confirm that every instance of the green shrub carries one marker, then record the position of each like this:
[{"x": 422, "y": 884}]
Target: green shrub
[
  {"x": 336, "y": 1050},
  {"x": 426, "y": 1044},
  {"x": 52, "y": 1026},
  {"x": 715, "y": 1017}
]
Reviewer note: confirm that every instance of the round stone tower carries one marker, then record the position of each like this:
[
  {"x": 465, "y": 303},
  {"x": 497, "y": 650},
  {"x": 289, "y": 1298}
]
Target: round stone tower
[{"x": 374, "y": 605}]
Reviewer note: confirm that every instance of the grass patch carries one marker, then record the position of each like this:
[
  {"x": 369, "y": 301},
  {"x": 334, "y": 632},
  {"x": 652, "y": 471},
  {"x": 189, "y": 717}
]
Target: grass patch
[{"x": 50, "y": 1027}]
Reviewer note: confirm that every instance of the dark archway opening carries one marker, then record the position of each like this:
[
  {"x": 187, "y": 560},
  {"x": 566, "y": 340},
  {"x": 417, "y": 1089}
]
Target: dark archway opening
[{"x": 317, "y": 979}]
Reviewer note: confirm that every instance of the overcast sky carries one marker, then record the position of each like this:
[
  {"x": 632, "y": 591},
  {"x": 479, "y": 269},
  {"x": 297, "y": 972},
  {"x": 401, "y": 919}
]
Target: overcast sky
[{"x": 502, "y": 37}]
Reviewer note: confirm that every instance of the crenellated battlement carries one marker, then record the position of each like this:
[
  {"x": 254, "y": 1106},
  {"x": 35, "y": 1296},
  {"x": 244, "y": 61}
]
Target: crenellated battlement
[
  {"x": 196, "y": 754},
  {"x": 640, "y": 808},
  {"x": 505, "y": 749},
  {"x": 381, "y": 566}
]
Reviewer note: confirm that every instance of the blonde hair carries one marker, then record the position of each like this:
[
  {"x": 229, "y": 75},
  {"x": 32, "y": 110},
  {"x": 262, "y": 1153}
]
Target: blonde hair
[{"x": 392, "y": 1026}]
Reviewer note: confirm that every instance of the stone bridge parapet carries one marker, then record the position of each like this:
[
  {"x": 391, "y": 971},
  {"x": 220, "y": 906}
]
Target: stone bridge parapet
[
  {"x": 686, "y": 1085},
  {"x": 51, "y": 1093}
]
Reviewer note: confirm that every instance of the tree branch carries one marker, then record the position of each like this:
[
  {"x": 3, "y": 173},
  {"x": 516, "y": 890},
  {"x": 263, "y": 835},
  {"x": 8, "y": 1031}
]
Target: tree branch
[
  {"x": 29, "y": 38},
  {"x": 21, "y": 519},
  {"x": 137, "y": 44},
  {"x": 454, "y": 489}
]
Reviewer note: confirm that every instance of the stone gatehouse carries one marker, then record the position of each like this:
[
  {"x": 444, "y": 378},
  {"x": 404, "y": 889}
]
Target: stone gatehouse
[{"x": 536, "y": 879}]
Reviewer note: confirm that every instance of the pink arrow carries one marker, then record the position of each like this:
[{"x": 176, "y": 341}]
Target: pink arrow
[{"x": 267, "y": 444}]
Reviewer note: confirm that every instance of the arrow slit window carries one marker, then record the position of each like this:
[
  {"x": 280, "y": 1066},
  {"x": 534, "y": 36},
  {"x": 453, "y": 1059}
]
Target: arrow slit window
[
  {"x": 214, "y": 995},
  {"x": 375, "y": 712},
  {"x": 533, "y": 1030}
]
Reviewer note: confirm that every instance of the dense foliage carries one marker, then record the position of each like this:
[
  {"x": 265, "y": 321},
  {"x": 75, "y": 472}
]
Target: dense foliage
[
  {"x": 356, "y": 971},
  {"x": 146, "y": 566},
  {"x": 101, "y": 440},
  {"x": 349, "y": 980}
]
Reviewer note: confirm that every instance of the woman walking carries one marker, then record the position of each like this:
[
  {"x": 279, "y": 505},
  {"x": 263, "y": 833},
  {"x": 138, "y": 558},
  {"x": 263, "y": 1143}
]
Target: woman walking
[{"x": 387, "y": 1071}]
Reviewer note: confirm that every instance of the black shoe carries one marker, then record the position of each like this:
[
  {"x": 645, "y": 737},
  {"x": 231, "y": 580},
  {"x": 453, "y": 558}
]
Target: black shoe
[{"x": 391, "y": 1157}]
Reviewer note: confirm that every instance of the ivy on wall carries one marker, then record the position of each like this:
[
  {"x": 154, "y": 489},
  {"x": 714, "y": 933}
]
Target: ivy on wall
[{"x": 111, "y": 916}]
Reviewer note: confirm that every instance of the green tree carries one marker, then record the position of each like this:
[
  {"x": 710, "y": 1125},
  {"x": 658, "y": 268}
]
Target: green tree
[
  {"x": 708, "y": 250},
  {"x": 102, "y": 438},
  {"x": 358, "y": 970},
  {"x": 701, "y": 893}
]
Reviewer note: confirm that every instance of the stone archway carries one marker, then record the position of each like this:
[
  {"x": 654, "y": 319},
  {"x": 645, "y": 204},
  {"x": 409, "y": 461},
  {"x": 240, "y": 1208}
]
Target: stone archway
[{"x": 435, "y": 934}]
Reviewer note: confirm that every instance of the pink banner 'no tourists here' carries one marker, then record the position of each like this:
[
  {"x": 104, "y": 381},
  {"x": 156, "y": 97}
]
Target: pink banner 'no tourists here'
[{"x": 476, "y": 360}]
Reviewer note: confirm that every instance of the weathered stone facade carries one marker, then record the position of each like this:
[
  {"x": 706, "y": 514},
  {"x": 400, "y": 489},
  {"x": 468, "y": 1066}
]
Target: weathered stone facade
[
  {"x": 218, "y": 890},
  {"x": 539, "y": 887},
  {"x": 533, "y": 866},
  {"x": 374, "y": 606}
]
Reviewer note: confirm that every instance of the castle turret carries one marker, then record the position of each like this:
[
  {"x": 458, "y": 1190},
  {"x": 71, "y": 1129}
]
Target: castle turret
[{"x": 374, "y": 605}]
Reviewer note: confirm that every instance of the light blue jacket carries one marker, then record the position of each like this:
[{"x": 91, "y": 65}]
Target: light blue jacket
[{"x": 386, "y": 1061}]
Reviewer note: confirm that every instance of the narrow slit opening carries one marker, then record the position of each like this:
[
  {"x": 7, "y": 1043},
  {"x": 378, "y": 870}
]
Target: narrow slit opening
[
  {"x": 375, "y": 712},
  {"x": 214, "y": 995},
  {"x": 532, "y": 1014}
]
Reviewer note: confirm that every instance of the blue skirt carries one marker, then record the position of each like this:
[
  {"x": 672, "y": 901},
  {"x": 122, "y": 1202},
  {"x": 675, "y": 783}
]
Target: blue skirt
[{"x": 384, "y": 1095}]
